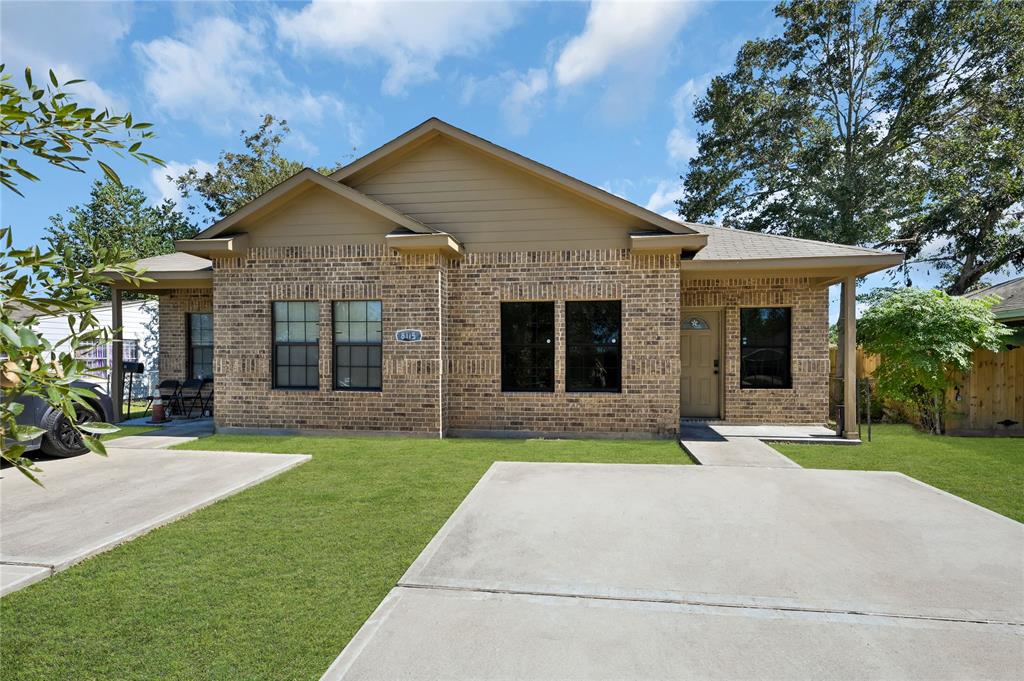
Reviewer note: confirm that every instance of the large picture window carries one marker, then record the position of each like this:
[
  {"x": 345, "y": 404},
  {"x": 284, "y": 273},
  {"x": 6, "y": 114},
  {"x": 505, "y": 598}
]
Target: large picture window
[
  {"x": 765, "y": 351},
  {"x": 528, "y": 347},
  {"x": 357, "y": 344},
  {"x": 200, "y": 345},
  {"x": 296, "y": 344},
  {"x": 593, "y": 353}
]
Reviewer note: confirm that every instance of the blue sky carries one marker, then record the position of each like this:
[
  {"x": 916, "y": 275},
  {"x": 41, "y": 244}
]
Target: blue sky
[{"x": 602, "y": 91}]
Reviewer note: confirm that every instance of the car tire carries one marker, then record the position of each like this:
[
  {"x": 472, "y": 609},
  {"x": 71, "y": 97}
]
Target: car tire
[{"x": 60, "y": 439}]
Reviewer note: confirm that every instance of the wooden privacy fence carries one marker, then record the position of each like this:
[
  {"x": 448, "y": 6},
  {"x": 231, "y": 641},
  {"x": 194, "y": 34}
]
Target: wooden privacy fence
[{"x": 988, "y": 400}]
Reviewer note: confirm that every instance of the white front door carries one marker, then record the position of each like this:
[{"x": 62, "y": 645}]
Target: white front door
[{"x": 698, "y": 378}]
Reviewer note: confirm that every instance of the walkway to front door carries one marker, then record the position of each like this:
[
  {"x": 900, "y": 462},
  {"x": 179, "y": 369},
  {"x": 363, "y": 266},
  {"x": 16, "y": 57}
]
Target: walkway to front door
[{"x": 710, "y": 448}]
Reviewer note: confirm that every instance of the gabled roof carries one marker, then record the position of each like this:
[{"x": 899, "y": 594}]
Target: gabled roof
[
  {"x": 434, "y": 127},
  {"x": 1012, "y": 294},
  {"x": 308, "y": 176}
]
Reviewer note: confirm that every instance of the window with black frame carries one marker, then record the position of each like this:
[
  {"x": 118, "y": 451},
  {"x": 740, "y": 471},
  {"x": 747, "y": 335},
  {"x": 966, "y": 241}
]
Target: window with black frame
[
  {"x": 593, "y": 352},
  {"x": 765, "y": 347},
  {"x": 357, "y": 344},
  {"x": 296, "y": 345},
  {"x": 528, "y": 347},
  {"x": 200, "y": 345}
]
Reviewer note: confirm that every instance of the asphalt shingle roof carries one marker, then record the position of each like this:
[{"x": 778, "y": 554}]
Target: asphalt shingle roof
[
  {"x": 1011, "y": 292},
  {"x": 738, "y": 244}
]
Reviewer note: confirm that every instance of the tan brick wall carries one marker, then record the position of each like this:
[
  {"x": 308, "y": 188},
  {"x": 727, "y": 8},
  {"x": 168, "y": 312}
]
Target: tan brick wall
[
  {"x": 175, "y": 307},
  {"x": 456, "y": 384},
  {"x": 648, "y": 287},
  {"x": 243, "y": 292},
  {"x": 807, "y": 400}
]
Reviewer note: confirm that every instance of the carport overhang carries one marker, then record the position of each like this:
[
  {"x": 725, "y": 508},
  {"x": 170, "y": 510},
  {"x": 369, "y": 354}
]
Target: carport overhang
[{"x": 158, "y": 274}]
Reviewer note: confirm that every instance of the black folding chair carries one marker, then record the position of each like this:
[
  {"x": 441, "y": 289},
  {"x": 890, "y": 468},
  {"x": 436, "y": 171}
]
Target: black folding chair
[
  {"x": 190, "y": 392},
  {"x": 203, "y": 398},
  {"x": 168, "y": 392}
]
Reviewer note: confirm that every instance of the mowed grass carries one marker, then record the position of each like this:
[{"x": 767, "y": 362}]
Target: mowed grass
[
  {"x": 273, "y": 582},
  {"x": 125, "y": 431},
  {"x": 987, "y": 471}
]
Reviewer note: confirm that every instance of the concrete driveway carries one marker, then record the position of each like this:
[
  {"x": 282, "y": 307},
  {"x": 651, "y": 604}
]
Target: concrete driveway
[
  {"x": 596, "y": 571},
  {"x": 91, "y": 503}
]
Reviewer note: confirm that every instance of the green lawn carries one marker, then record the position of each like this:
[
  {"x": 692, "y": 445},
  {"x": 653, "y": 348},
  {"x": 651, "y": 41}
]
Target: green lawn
[
  {"x": 273, "y": 582},
  {"x": 125, "y": 431},
  {"x": 987, "y": 471}
]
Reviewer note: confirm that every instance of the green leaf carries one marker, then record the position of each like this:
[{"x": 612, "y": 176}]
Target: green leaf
[
  {"x": 94, "y": 445},
  {"x": 109, "y": 172},
  {"x": 98, "y": 428},
  {"x": 23, "y": 433}
]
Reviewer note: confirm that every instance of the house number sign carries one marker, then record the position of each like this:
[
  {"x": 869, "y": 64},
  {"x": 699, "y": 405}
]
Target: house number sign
[{"x": 408, "y": 335}]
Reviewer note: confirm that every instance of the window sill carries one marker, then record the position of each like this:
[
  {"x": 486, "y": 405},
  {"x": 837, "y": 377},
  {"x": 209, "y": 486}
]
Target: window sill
[
  {"x": 357, "y": 390},
  {"x": 289, "y": 389},
  {"x": 594, "y": 392}
]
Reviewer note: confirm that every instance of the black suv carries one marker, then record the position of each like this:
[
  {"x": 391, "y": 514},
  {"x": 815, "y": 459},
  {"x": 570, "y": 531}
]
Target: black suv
[{"x": 60, "y": 439}]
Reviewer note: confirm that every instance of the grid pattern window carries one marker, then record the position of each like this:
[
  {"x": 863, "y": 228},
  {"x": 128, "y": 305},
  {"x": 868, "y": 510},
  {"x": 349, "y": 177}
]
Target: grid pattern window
[
  {"x": 97, "y": 358},
  {"x": 528, "y": 347},
  {"x": 357, "y": 344},
  {"x": 765, "y": 347},
  {"x": 200, "y": 345},
  {"x": 296, "y": 344},
  {"x": 593, "y": 352}
]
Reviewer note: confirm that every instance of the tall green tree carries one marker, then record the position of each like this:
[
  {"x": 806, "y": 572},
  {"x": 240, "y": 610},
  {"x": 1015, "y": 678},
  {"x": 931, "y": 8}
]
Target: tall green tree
[
  {"x": 826, "y": 130},
  {"x": 118, "y": 218},
  {"x": 972, "y": 220},
  {"x": 240, "y": 177}
]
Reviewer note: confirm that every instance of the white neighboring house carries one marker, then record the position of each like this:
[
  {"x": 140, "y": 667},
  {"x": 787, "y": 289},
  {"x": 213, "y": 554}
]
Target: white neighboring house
[{"x": 140, "y": 324}]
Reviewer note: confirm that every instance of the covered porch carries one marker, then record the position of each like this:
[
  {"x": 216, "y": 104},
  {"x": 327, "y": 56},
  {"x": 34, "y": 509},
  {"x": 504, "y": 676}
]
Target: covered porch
[
  {"x": 176, "y": 276},
  {"x": 754, "y": 343}
]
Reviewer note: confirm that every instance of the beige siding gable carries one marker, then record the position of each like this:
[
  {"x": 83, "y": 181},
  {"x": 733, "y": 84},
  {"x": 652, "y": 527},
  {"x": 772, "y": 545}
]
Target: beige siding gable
[
  {"x": 317, "y": 216},
  {"x": 490, "y": 205}
]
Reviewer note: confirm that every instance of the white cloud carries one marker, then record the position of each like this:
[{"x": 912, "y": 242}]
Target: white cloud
[
  {"x": 627, "y": 44},
  {"x": 164, "y": 186},
  {"x": 219, "y": 69},
  {"x": 682, "y": 142},
  {"x": 521, "y": 103},
  {"x": 411, "y": 37},
  {"x": 663, "y": 199},
  {"x": 74, "y": 39}
]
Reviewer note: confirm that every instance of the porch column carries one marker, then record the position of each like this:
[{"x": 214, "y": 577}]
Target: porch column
[
  {"x": 117, "y": 352},
  {"x": 849, "y": 355}
]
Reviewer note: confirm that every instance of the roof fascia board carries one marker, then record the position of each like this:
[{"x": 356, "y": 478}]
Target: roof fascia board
[
  {"x": 445, "y": 243},
  {"x": 308, "y": 175},
  {"x": 433, "y": 126},
  {"x": 646, "y": 243},
  {"x": 215, "y": 247}
]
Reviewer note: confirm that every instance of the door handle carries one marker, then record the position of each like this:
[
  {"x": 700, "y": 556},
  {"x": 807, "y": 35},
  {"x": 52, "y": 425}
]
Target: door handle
[{"x": 716, "y": 367}]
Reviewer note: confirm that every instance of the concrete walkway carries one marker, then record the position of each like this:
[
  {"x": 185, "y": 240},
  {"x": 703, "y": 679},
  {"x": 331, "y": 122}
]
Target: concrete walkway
[
  {"x": 596, "y": 571},
  {"x": 91, "y": 503},
  {"x": 709, "y": 446},
  {"x": 163, "y": 436}
]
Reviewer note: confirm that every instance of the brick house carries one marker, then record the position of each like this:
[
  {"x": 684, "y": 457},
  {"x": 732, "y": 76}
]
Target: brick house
[{"x": 442, "y": 284}]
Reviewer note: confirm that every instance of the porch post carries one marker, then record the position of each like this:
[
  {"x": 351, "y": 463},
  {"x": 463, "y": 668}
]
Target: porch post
[
  {"x": 117, "y": 353},
  {"x": 849, "y": 363}
]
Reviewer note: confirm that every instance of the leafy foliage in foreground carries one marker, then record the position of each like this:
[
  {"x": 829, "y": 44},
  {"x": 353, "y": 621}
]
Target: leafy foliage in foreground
[
  {"x": 46, "y": 124},
  {"x": 925, "y": 338}
]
